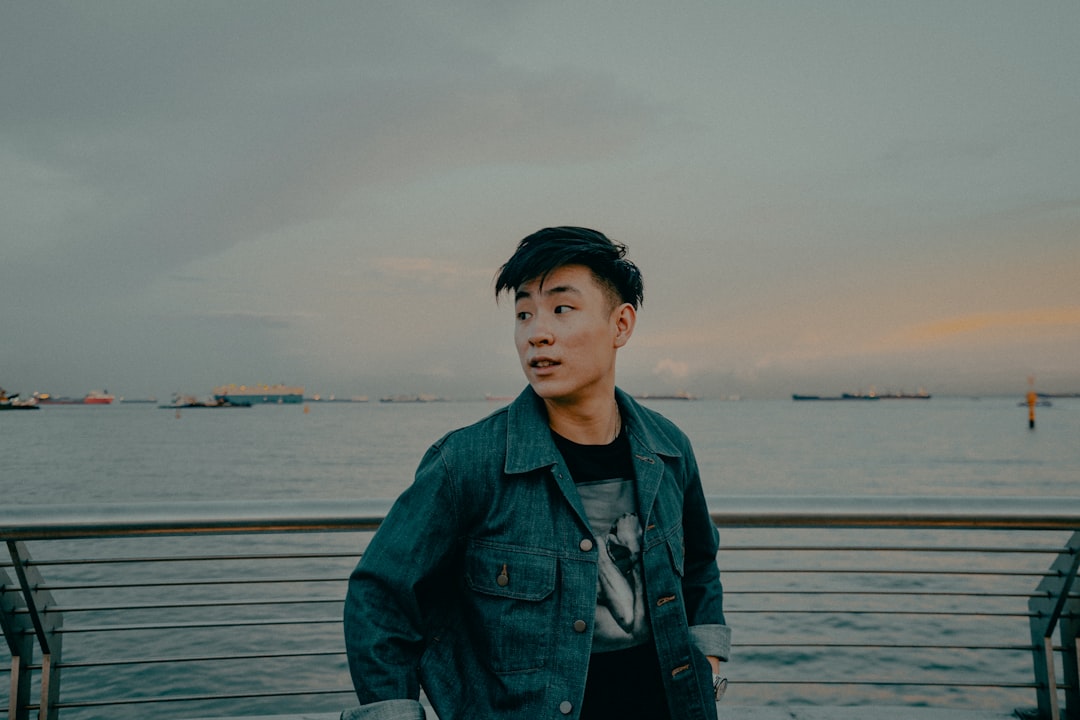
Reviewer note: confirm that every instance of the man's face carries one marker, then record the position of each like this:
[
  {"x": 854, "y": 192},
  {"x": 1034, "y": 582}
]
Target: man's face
[{"x": 567, "y": 332}]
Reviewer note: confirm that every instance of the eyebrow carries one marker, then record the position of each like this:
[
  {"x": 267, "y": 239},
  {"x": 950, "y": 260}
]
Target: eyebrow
[{"x": 557, "y": 290}]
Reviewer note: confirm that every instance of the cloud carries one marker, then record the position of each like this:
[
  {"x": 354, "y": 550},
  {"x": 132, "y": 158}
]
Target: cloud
[
  {"x": 672, "y": 369},
  {"x": 256, "y": 319},
  {"x": 425, "y": 273},
  {"x": 981, "y": 326}
]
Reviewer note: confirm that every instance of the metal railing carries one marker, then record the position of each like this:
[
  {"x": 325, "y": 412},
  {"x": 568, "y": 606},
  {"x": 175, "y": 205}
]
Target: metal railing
[{"x": 235, "y": 608}]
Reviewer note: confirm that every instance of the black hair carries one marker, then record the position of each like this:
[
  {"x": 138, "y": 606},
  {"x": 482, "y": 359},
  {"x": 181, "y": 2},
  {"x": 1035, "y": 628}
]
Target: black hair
[{"x": 547, "y": 250}]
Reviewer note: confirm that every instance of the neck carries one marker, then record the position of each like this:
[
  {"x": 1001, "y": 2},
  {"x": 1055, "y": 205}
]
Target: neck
[{"x": 597, "y": 424}]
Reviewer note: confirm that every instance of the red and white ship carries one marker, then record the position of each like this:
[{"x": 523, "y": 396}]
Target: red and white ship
[{"x": 94, "y": 397}]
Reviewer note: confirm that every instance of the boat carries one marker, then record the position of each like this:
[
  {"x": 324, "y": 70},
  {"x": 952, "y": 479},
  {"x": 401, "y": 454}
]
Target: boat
[
  {"x": 421, "y": 398},
  {"x": 871, "y": 395},
  {"x": 335, "y": 399},
  {"x": 190, "y": 401},
  {"x": 12, "y": 402},
  {"x": 901, "y": 395},
  {"x": 842, "y": 397},
  {"x": 681, "y": 395},
  {"x": 260, "y": 394},
  {"x": 94, "y": 397},
  {"x": 98, "y": 397}
]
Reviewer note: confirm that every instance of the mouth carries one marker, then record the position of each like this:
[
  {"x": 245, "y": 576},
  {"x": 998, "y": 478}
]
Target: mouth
[{"x": 542, "y": 363}]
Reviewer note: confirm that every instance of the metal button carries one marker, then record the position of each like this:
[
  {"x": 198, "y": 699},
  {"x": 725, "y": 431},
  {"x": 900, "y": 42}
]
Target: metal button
[
  {"x": 566, "y": 707},
  {"x": 585, "y": 545},
  {"x": 580, "y": 626}
]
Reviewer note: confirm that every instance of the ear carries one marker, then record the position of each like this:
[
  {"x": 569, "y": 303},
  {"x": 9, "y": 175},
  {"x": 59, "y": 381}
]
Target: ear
[{"x": 624, "y": 318}]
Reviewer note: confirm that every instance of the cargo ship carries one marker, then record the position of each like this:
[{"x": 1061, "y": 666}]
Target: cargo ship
[
  {"x": 921, "y": 395},
  {"x": 681, "y": 395},
  {"x": 94, "y": 397},
  {"x": 260, "y": 394},
  {"x": 845, "y": 396}
]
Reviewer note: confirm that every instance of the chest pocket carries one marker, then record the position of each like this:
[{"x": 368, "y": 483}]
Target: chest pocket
[
  {"x": 677, "y": 548},
  {"x": 513, "y": 598}
]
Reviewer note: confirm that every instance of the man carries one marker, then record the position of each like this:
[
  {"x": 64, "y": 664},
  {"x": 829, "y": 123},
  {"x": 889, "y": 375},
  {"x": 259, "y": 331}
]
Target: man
[{"x": 556, "y": 559}]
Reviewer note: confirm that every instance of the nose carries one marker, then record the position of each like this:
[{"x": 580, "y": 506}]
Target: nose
[
  {"x": 540, "y": 333},
  {"x": 540, "y": 339}
]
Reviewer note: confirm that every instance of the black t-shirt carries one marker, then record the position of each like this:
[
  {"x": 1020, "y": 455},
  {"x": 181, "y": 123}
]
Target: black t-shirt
[{"x": 624, "y": 677}]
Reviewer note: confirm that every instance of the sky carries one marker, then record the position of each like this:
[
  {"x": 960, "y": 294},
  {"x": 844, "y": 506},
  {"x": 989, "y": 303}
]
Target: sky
[{"x": 823, "y": 197}]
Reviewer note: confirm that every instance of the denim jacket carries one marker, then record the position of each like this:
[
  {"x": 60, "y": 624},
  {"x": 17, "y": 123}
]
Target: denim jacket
[{"x": 480, "y": 585}]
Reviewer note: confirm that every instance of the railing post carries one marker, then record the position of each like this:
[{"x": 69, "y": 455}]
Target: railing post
[
  {"x": 1050, "y": 605},
  {"x": 45, "y": 623},
  {"x": 20, "y": 642},
  {"x": 1070, "y": 663}
]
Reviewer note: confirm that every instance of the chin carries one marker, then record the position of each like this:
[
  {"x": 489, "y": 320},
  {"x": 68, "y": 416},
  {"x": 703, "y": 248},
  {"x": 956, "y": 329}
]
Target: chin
[{"x": 548, "y": 390}]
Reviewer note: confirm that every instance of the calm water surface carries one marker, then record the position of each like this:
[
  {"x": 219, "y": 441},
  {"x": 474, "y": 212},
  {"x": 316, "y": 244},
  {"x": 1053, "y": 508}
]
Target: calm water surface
[
  {"x": 131, "y": 452},
  {"x": 940, "y": 447}
]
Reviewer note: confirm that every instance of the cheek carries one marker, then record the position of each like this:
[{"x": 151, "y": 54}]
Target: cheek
[{"x": 521, "y": 343}]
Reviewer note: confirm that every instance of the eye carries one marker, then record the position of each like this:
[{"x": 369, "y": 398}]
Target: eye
[
  {"x": 560, "y": 309},
  {"x": 524, "y": 315}
]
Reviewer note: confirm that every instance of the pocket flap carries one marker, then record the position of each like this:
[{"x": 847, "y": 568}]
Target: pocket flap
[
  {"x": 509, "y": 572},
  {"x": 677, "y": 550}
]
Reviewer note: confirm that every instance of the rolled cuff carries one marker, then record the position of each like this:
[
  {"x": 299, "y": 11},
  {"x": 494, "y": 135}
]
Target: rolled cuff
[
  {"x": 714, "y": 640},
  {"x": 386, "y": 710}
]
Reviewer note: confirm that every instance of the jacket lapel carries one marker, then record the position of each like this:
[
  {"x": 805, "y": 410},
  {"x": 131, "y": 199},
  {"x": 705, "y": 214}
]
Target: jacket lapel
[{"x": 529, "y": 448}]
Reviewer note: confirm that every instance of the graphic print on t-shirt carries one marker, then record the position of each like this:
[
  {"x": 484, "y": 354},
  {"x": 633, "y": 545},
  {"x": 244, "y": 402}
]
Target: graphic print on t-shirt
[{"x": 621, "y": 621}]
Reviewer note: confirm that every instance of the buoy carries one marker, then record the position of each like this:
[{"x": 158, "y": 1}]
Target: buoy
[{"x": 1032, "y": 400}]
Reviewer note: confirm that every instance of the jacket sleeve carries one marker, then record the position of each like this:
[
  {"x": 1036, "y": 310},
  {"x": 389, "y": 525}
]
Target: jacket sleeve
[
  {"x": 702, "y": 589},
  {"x": 384, "y": 617}
]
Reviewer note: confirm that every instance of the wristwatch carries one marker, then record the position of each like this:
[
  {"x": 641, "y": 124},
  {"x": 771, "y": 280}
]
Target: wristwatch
[{"x": 719, "y": 685}]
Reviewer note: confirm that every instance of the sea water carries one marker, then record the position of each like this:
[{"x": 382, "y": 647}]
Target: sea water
[
  {"x": 139, "y": 452},
  {"x": 940, "y": 447}
]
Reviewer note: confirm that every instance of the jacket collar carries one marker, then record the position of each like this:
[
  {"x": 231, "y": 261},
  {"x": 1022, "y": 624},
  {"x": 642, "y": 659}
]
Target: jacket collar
[{"x": 528, "y": 438}]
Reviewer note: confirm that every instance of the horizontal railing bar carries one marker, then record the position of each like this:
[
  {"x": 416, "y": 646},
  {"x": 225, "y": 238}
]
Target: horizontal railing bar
[
  {"x": 330, "y": 621},
  {"x": 199, "y": 659},
  {"x": 197, "y": 698},
  {"x": 905, "y": 549},
  {"x": 186, "y": 583},
  {"x": 194, "y": 659},
  {"x": 958, "y": 549},
  {"x": 999, "y": 512},
  {"x": 207, "y": 604},
  {"x": 226, "y": 582},
  {"x": 885, "y": 646},
  {"x": 844, "y": 611},
  {"x": 191, "y": 558},
  {"x": 89, "y": 629},
  {"x": 196, "y": 625},
  {"x": 727, "y": 571},
  {"x": 54, "y": 522},
  {"x": 730, "y": 592},
  {"x": 897, "y": 683},
  {"x": 329, "y": 691},
  {"x": 881, "y": 571},
  {"x": 885, "y": 592},
  {"x": 42, "y": 522}
]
